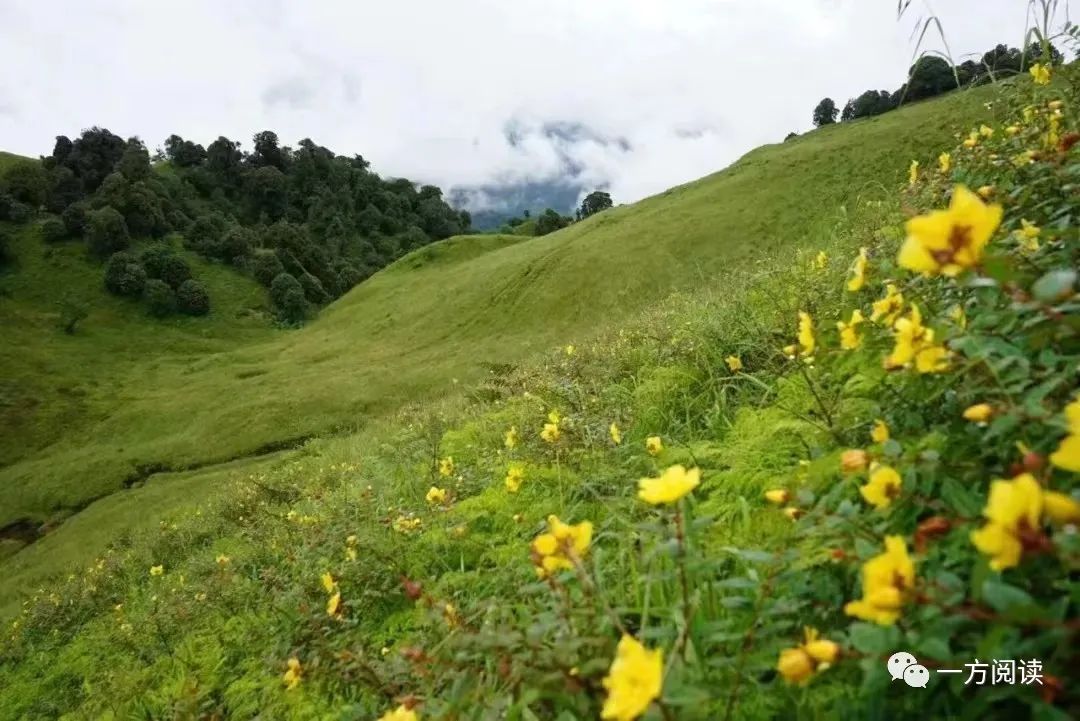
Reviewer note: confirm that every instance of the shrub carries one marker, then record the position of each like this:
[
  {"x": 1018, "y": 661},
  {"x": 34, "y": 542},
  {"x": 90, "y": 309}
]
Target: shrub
[
  {"x": 288, "y": 297},
  {"x": 236, "y": 244},
  {"x": 26, "y": 182},
  {"x": 265, "y": 267},
  {"x": 125, "y": 275},
  {"x": 19, "y": 212},
  {"x": 153, "y": 259},
  {"x": 192, "y": 298},
  {"x": 53, "y": 230},
  {"x": 5, "y": 245},
  {"x": 175, "y": 271},
  {"x": 106, "y": 231},
  {"x": 313, "y": 289},
  {"x": 6, "y": 202},
  {"x": 74, "y": 219},
  {"x": 205, "y": 233},
  {"x": 160, "y": 298}
]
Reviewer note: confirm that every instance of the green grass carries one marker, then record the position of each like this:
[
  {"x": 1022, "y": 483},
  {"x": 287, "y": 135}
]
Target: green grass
[{"x": 126, "y": 394}]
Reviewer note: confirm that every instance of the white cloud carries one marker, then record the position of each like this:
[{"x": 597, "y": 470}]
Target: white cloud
[{"x": 425, "y": 88}]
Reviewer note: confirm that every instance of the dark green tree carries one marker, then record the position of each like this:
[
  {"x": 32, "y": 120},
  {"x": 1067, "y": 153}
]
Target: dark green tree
[
  {"x": 124, "y": 275},
  {"x": 267, "y": 152},
  {"x": 64, "y": 189},
  {"x": 549, "y": 221},
  {"x": 825, "y": 113},
  {"x": 265, "y": 267},
  {"x": 74, "y": 218},
  {"x": 594, "y": 203},
  {"x": 134, "y": 163},
  {"x": 26, "y": 182},
  {"x": 53, "y": 230},
  {"x": 192, "y": 298},
  {"x": 288, "y": 297},
  {"x": 160, "y": 298},
  {"x": 106, "y": 231}
]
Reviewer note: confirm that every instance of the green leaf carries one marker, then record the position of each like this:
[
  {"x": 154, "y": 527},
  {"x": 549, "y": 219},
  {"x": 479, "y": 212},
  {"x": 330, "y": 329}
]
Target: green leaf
[
  {"x": 1057, "y": 284},
  {"x": 1003, "y": 597},
  {"x": 873, "y": 639},
  {"x": 960, "y": 498}
]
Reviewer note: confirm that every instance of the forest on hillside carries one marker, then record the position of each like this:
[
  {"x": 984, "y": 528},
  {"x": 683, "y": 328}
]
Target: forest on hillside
[{"x": 305, "y": 222}]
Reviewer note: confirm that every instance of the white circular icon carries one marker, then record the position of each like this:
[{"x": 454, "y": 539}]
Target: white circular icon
[
  {"x": 916, "y": 676},
  {"x": 898, "y": 662}
]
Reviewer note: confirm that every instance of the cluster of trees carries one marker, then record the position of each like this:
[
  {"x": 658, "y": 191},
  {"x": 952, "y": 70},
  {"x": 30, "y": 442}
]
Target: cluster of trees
[
  {"x": 550, "y": 220},
  {"x": 159, "y": 277},
  {"x": 932, "y": 75},
  {"x": 323, "y": 220}
]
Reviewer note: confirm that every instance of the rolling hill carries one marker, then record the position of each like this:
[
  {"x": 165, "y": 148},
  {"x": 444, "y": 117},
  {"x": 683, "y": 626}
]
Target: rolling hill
[{"x": 102, "y": 411}]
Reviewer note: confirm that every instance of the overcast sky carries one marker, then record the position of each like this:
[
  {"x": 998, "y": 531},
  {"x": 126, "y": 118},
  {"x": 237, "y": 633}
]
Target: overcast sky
[{"x": 456, "y": 92}]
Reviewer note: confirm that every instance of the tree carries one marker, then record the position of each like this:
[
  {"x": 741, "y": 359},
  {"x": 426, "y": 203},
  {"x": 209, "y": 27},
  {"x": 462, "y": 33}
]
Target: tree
[
  {"x": 849, "y": 111},
  {"x": 192, "y": 298},
  {"x": 223, "y": 159},
  {"x": 595, "y": 202},
  {"x": 1038, "y": 52},
  {"x": 288, "y": 297},
  {"x": 174, "y": 271},
  {"x": 160, "y": 298},
  {"x": 928, "y": 77},
  {"x": 124, "y": 275},
  {"x": 74, "y": 218},
  {"x": 313, "y": 289},
  {"x": 825, "y": 113},
  {"x": 266, "y": 193},
  {"x": 236, "y": 244},
  {"x": 106, "y": 231},
  {"x": 26, "y": 182},
  {"x": 5, "y": 245},
  {"x": 183, "y": 153},
  {"x": 93, "y": 156},
  {"x": 61, "y": 149},
  {"x": 267, "y": 152},
  {"x": 549, "y": 221},
  {"x": 53, "y": 230},
  {"x": 63, "y": 189},
  {"x": 265, "y": 267},
  {"x": 134, "y": 163}
]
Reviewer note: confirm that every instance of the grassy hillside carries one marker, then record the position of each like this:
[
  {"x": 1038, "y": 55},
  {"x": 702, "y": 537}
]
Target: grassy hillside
[
  {"x": 397, "y": 566},
  {"x": 408, "y": 332}
]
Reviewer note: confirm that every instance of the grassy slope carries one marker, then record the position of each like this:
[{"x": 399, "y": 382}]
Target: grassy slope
[{"x": 434, "y": 317}]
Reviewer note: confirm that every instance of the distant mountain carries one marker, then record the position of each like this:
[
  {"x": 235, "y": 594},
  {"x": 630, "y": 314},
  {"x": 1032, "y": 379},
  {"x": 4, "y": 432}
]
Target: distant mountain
[{"x": 493, "y": 203}]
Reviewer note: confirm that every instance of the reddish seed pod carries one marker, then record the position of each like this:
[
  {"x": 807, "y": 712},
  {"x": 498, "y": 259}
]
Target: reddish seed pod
[
  {"x": 413, "y": 589},
  {"x": 1033, "y": 462}
]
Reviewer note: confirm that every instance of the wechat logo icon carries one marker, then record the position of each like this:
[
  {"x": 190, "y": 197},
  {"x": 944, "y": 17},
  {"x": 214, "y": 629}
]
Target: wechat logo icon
[{"x": 902, "y": 665}]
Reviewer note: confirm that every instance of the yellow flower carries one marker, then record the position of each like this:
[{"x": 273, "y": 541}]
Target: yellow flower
[
  {"x": 822, "y": 650},
  {"x": 944, "y": 162},
  {"x": 403, "y": 524},
  {"x": 734, "y": 363},
  {"x": 777, "y": 496},
  {"x": 351, "y": 540},
  {"x": 435, "y": 495},
  {"x": 849, "y": 335},
  {"x": 553, "y": 417},
  {"x": 795, "y": 665},
  {"x": 554, "y": 550},
  {"x": 883, "y": 488},
  {"x": 450, "y": 614},
  {"x": 958, "y": 316},
  {"x": 915, "y": 343},
  {"x": 1040, "y": 74},
  {"x": 446, "y": 466},
  {"x": 858, "y": 272},
  {"x": 569, "y": 350},
  {"x": 350, "y": 554},
  {"x": 913, "y": 173},
  {"x": 985, "y": 191},
  {"x": 672, "y": 485},
  {"x": 550, "y": 433},
  {"x": 653, "y": 445},
  {"x": 1013, "y": 511},
  {"x": 986, "y": 131},
  {"x": 793, "y": 513},
  {"x": 1060, "y": 508},
  {"x": 401, "y": 713},
  {"x": 157, "y": 570},
  {"x": 853, "y": 461},
  {"x": 511, "y": 438},
  {"x": 291, "y": 677},
  {"x": 888, "y": 308},
  {"x": 1067, "y": 455},
  {"x": 514, "y": 476},
  {"x": 1055, "y": 105},
  {"x": 948, "y": 241},
  {"x": 1025, "y": 158},
  {"x": 1012, "y": 130},
  {"x": 1028, "y": 235},
  {"x": 887, "y": 580},
  {"x": 333, "y": 604},
  {"x": 979, "y": 413},
  {"x": 328, "y": 582},
  {"x": 807, "y": 343},
  {"x": 222, "y": 560},
  {"x": 821, "y": 260},
  {"x": 615, "y": 433},
  {"x": 634, "y": 680}
]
